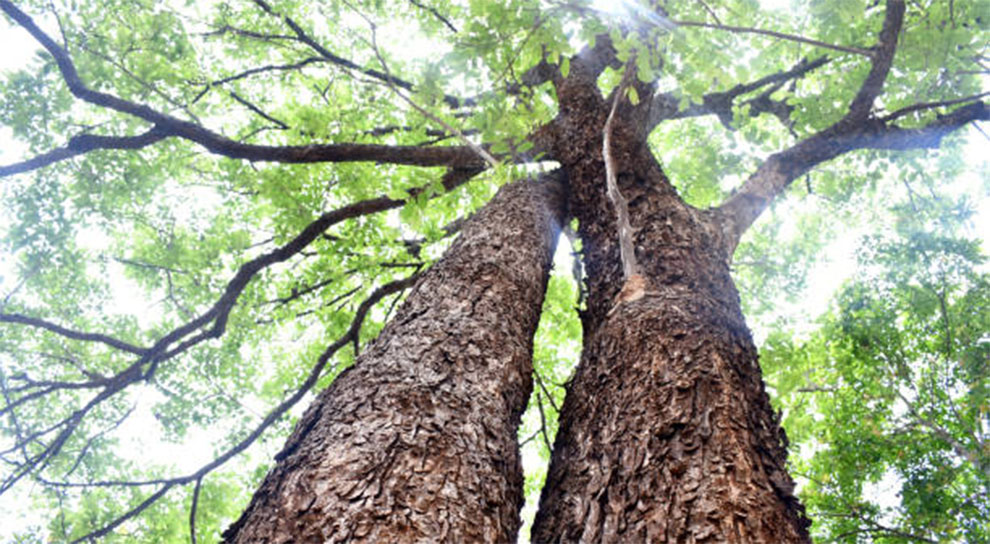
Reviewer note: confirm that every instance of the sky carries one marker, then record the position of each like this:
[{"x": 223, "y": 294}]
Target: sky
[{"x": 825, "y": 277}]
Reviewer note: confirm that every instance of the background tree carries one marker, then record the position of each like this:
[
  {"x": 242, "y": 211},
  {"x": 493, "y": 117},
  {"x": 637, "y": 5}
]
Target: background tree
[
  {"x": 889, "y": 396},
  {"x": 239, "y": 161}
]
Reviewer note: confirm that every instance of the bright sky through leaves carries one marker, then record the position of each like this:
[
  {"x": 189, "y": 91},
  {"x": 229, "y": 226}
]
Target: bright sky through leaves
[{"x": 798, "y": 309}]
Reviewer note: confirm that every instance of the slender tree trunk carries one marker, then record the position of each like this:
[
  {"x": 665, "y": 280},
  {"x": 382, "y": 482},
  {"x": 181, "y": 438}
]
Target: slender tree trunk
[
  {"x": 666, "y": 434},
  {"x": 417, "y": 441}
]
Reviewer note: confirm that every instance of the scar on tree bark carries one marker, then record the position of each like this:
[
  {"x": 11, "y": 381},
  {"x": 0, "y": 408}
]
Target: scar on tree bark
[{"x": 634, "y": 283}]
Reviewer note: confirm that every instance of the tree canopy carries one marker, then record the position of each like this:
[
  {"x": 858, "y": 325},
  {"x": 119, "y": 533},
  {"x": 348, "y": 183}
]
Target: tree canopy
[{"x": 212, "y": 207}]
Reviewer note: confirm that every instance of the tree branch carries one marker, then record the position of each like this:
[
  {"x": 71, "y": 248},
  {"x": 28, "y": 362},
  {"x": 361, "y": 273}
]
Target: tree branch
[
  {"x": 257, "y": 111},
  {"x": 856, "y": 130},
  {"x": 305, "y": 38},
  {"x": 480, "y": 151},
  {"x": 107, "y": 529},
  {"x": 877, "y": 528},
  {"x": 72, "y": 334},
  {"x": 930, "y": 105},
  {"x": 665, "y": 106},
  {"x": 192, "y": 510},
  {"x": 210, "y": 324},
  {"x": 882, "y": 58},
  {"x": 964, "y": 452},
  {"x": 436, "y": 14},
  {"x": 80, "y": 145},
  {"x": 274, "y": 415},
  {"x": 220, "y": 311},
  {"x": 774, "y": 34},
  {"x": 259, "y": 70},
  {"x": 543, "y": 423},
  {"x": 254, "y": 35},
  {"x": 167, "y": 125},
  {"x": 854, "y": 511},
  {"x": 780, "y": 169}
]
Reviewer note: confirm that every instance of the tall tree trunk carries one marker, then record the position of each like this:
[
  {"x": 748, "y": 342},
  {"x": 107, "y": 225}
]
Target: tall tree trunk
[
  {"x": 417, "y": 441},
  {"x": 666, "y": 433}
]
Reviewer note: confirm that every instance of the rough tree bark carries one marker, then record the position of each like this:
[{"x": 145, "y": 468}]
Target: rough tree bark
[
  {"x": 666, "y": 433},
  {"x": 417, "y": 441}
]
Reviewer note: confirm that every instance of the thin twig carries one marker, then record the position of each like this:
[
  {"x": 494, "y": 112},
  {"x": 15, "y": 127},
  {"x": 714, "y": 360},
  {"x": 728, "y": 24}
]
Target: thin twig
[
  {"x": 543, "y": 423},
  {"x": 492, "y": 161},
  {"x": 261, "y": 113},
  {"x": 436, "y": 14},
  {"x": 781, "y": 35},
  {"x": 304, "y": 37},
  {"x": 543, "y": 387},
  {"x": 930, "y": 105},
  {"x": 710, "y": 11}
]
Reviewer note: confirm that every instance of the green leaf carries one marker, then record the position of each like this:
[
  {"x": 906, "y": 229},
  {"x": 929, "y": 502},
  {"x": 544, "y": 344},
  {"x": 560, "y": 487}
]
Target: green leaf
[{"x": 633, "y": 95}]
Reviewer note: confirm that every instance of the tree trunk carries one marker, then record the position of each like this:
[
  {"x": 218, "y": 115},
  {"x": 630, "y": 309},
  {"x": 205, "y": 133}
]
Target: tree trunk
[
  {"x": 666, "y": 433},
  {"x": 417, "y": 441}
]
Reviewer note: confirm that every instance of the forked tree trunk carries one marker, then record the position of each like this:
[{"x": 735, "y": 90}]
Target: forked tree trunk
[
  {"x": 666, "y": 433},
  {"x": 417, "y": 441}
]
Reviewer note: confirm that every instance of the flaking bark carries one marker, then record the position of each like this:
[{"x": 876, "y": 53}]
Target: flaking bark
[
  {"x": 666, "y": 433},
  {"x": 417, "y": 441}
]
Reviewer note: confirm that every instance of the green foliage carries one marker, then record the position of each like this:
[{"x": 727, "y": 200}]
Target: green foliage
[
  {"x": 887, "y": 403},
  {"x": 556, "y": 350},
  {"x": 135, "y": 243}
]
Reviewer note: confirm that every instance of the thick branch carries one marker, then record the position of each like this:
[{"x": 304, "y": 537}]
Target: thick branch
[
  {"x": 72, "y": 334},
  {"x": 665, "y": 106},
  {"x": 781, "y": 168},
  {"x": 856, "y": 130},
  {"x": 883, "y": 57},
  {"x": 80, "y": 145},
  {"x": 457, "y": 157}
]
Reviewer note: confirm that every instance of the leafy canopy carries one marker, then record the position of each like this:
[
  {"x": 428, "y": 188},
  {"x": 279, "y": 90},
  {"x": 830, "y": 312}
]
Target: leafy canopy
[{"x": 175, "y": 279}]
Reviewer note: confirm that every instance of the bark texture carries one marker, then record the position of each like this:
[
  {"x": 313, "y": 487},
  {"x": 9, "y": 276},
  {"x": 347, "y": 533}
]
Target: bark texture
[
  {"x": 417, "y": 441},
  {"x": 666, "y": 434}
]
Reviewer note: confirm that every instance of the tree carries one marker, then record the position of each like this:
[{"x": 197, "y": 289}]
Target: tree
[
  {"x": 900, "y": 371},
  {"x": 238, "y": 141},
  {"x": 437, "y": 399}
]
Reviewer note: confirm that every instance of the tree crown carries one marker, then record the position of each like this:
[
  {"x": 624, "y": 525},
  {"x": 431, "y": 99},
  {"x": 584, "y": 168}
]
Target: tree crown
[{"x": 218, "y": 204}]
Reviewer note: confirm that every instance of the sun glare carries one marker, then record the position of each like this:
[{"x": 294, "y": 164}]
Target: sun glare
[{"x": 632, "y": 11}]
